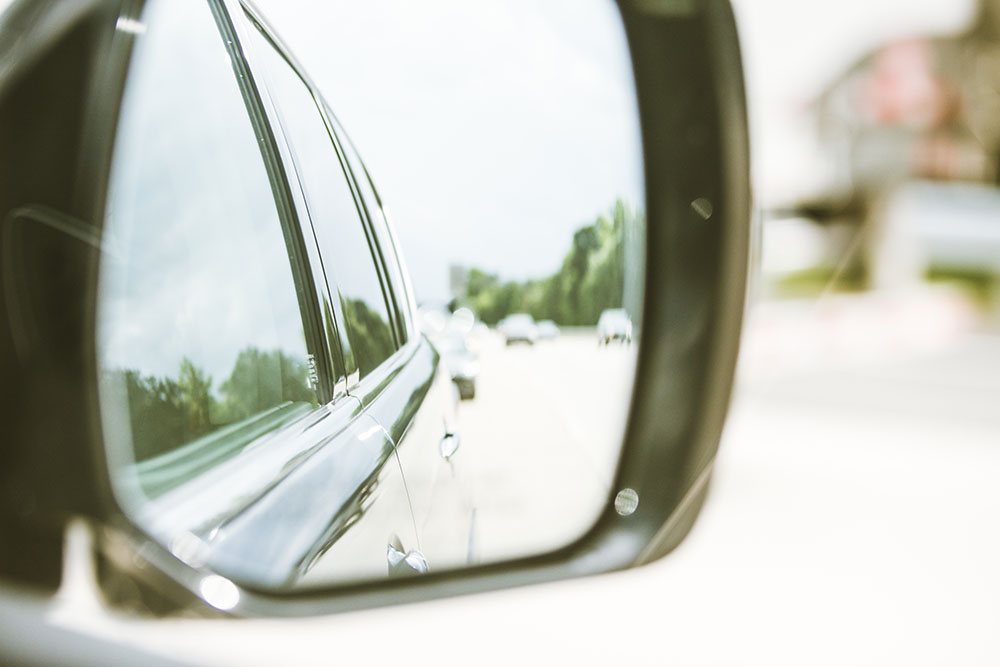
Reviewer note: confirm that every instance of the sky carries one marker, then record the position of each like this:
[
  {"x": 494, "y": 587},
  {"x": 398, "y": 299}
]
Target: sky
[{"x": 493, "y": 129}]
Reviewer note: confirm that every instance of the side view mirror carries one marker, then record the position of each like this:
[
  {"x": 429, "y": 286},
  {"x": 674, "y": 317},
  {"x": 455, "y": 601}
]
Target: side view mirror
[{"x": 215, "y": 353}]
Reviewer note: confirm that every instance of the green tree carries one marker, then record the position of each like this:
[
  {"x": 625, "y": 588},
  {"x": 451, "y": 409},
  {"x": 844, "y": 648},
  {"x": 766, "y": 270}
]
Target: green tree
[
  {"x": 156, "y": 413},
  {"x": 195, "y": 397},
  {"x": 591, "y": 278},
  {"x": 478, "y": 282},
  {"x": 261, "y": 380},
  {"x": 370, "y": 336}
]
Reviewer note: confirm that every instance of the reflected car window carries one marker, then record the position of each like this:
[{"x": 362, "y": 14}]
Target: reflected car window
[
  {"x": 391, "y": 255},
  {"x": 348, "y": 259},
  {"x": 201, "y": 342}
]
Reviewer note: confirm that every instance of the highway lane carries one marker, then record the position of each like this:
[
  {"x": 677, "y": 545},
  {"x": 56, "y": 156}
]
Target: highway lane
[{"x": 541, "y": 440}]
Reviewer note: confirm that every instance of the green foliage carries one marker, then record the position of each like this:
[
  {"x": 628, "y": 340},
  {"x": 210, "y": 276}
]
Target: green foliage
[
  {"x": 158, "y": 413},
  {"x": 370, "y": 336},
  {"x": 194, "y": 396},
  {"x": 815, "y": 280},
  {"x": 981, "y": 285},
  {"x": 590, "y": 280},
  {"x": 165, "y": 413},
  {"x": 478, "y": 282}
]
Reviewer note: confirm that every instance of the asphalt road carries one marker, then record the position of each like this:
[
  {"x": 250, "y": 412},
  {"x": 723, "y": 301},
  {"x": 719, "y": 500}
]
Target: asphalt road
[{"x": 541, "y": 439}]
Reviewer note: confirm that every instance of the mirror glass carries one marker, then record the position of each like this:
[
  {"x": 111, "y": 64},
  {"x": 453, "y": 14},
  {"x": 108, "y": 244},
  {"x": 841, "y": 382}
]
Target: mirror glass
[{"x": 370, "y": 292}]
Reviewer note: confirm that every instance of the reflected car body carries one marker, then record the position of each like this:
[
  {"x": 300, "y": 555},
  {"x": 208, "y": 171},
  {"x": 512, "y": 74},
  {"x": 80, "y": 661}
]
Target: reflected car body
[
  {"x": 518, "y": 328},
  {"x": 462, "y": 363},
  {"x": 547, "y": 330},
  {"x": 614, "y": 324},
  {"x": 268, "y": 409}
]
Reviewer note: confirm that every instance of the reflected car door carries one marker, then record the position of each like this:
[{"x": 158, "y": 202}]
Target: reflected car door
[
  {"x": 230, "y": 439},
  {"x": 359, "y": 328},
  {"x": 418, "y": 407},
  {"x": 387, "y": 365}
]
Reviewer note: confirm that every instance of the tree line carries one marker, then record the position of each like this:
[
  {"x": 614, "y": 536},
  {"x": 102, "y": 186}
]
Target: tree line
[
  {"x": 166, "y": 412},
  {"x": 591, "y": 279}
]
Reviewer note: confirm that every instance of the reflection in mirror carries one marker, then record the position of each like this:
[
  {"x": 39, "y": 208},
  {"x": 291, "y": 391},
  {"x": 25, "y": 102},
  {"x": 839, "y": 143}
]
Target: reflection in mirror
[{"x": 299, "y": 389}]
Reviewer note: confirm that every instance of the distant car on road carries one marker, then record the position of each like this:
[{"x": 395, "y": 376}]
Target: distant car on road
[
  {"x": 547, "y": 330},
  {"x": 519, "y": 328},
  {"x": 461, "y": 362},
  {"x": 614, "y": 324}
]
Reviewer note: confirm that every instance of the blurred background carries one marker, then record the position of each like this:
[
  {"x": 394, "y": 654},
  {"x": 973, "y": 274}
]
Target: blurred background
[{"x": 853, "y": 510}]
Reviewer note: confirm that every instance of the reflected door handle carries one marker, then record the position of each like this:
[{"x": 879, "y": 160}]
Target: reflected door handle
[
  {"x": 404, "y": 563},
  {"x": 449, "y": 445}
]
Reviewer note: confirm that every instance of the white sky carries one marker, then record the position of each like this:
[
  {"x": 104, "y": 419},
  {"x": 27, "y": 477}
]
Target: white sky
[{"x": 493, "y": 129}]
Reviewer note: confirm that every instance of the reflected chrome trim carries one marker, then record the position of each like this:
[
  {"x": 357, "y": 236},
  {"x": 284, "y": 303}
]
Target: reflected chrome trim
[
  {"x": 205, "y": 505},
  {"x": 402, "y": 562},
  {"x": 450, "y": 442}
]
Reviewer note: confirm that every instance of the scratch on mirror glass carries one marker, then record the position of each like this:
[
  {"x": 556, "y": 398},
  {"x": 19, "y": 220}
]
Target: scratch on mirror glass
[
  {"x": 626, "y": 502},
  {"x": 849, "y": 253},
  {"x": 702, "y": 207}
]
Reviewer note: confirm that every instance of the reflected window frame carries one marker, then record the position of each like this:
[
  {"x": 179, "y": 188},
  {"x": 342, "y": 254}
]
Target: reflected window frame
[
  {"x": 257, "y": 36},
  {"x": 400, "y": 293},
  {"x": 287, "y": 224}
]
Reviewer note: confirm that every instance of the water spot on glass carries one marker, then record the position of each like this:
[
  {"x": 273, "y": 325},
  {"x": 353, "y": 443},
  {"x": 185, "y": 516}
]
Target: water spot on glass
[
  {"x": 626, "y": 501},
  {"x": 702, "y": 207}
]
